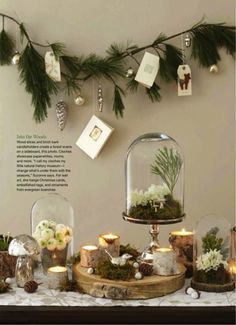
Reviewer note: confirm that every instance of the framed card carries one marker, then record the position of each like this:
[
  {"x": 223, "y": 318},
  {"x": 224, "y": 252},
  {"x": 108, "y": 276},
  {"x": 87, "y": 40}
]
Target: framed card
[
  {"x": 94, "y": 137},
  {"x": 148, "y": 70}
]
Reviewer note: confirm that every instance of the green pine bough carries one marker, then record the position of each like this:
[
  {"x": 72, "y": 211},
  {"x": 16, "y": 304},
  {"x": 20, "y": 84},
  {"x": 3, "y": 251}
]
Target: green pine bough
[{"x": 206, "y": 38}]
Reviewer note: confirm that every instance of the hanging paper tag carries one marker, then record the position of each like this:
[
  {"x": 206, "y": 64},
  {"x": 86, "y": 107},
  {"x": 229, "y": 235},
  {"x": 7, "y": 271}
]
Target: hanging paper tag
[
  {"x": 148, "y": 70},
  {"x": 184, "y": 80},
  {"x": 52, "y": 66}
]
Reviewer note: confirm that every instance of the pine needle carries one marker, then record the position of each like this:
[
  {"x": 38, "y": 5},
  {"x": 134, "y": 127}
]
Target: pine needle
[
  {"x": 58, "y": 49},
  {"x": 118, "y": 105},
  {"x": 7, "y": 45},
  {"x": 37, "y": 82},
  {"x": 167, "y": 165},
  {"x": 132, "y": 85},
  {"x": 153, "y": 93}
]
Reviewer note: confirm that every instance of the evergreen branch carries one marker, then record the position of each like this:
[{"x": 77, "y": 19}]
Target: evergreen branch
[
  {"x": 132, "y": 85},
  {"x": 37, "y": 82},
  {"x": 153, "y": 93},
  {"x": 7, "y": 45},
  {"x": 167, "y": 165},
  {"x": 58, "y": 49},
  {"x": 173, "y": 58}
]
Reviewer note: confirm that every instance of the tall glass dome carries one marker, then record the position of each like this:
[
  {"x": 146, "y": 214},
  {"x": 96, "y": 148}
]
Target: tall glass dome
[{"x": 154, "y": 180}]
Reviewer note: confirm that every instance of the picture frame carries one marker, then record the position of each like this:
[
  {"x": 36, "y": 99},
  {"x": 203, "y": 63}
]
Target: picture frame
[{"x": 94, "y": 136}]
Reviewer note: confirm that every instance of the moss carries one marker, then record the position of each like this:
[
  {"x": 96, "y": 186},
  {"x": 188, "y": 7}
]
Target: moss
[
  {"x": 114, "y": 272},
  {"x": 210, "y": 242},
  {"x": 4, "y": 287},
  {"x": 128, "y": 249},
  {"x": 171, "y": 210},
  {"x": 4, "y": 242},
  {"x": 219, "y": 276}
]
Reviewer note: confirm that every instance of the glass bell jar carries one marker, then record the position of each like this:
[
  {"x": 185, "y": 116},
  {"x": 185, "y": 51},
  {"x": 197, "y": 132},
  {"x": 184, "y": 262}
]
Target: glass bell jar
[
  {"x": 154, "y": 184},
  {"x": 52, "y": 222},
  {"x": 212, "y": 255}
]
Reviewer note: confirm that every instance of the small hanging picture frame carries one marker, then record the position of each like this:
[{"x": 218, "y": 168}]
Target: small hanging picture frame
[
  {"x": 94, "y": 136},
  {"x": 184, "y": 80}
]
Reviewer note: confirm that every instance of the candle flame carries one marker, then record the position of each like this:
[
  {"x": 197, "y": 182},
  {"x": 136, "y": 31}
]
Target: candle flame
[
  {"x": 57, "y": 269},
  {"x": 164, "y": 249},
  {"x": 90, "y": 247},
  {"x": 110, "y": 236}
]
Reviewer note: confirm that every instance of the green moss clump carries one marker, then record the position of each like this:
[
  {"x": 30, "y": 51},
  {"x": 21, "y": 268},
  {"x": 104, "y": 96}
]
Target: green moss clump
[
  {"x": 219, "y": 276},
  {"x": 4, "y": 242},
  {"x": 171, "y": 210},
  {"x": 128, "y": 249},
  {"x": 114, "y": 272},
  {"x": 4, "y": 287}
]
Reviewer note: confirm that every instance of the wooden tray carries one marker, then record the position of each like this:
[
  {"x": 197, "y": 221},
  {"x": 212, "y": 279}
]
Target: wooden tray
[{"x": 148, "y": 287}]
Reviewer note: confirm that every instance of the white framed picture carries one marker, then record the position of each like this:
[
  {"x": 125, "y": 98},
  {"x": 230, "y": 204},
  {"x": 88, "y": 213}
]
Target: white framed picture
[{"x": 94, "y": 136}]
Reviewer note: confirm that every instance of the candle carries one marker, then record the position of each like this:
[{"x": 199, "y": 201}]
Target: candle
[
  {"x": 57, "y": 277},
  {"x": 89, "y": 256},
  {"x": 182, "y": 243},
  {"x": 232, "y": 268},
  {"x": 111, "y": 243},
  {"x": 164, "y": 261}
]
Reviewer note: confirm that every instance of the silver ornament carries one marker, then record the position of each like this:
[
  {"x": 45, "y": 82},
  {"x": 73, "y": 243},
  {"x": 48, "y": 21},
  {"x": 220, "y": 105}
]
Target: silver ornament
[
  {"x": 16, "y": 58},
  {"x": 138, "y": 276},
  {"x": 136, "y": 265},
  {"x": 79, "y": 100},
  {"x": 195, "y": 294},
  {"x": 100, "y": 98},
  {"x": 189, "y": 291},
  {"x": 214, "y": 68},
  {"x": 61, "y": 113},
  {"x": 90, "y": 270},
  {"x": 129, "y": 73},
  {"x": 187, "y": 40}
]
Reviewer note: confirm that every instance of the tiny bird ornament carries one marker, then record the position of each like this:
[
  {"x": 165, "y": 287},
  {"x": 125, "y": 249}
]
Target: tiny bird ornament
[{"x": 119, "y": 261}]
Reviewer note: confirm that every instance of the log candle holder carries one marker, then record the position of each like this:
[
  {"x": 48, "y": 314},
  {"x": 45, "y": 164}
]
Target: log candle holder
[
  {"x": 111, "y": 243},
  {"x": 89, "y": 256},
  {"x": 57, "y": 277},
  {"x": 164, "y": 262}
]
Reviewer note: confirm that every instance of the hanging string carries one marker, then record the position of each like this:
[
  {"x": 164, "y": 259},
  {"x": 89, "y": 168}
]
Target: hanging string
[
  {"x": 3, "y": 21},
  {"x": 183, "y": 49}
]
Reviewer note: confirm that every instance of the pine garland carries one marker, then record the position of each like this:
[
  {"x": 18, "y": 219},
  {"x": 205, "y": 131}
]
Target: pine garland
[{"x": 206, "y": 38}]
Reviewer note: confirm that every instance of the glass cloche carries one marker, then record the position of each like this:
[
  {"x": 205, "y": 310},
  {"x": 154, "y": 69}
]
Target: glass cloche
[
  {"x": 154, "y": 183},
  {"x": 212, "y": 255},
  {"x": 52, "y": 223},
  {"x": 154, "y": 180}
]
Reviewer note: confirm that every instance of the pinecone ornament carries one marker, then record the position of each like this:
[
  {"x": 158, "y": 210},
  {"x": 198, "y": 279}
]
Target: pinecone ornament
[
  {"x": 146, "y": 269},
  {"x": 31, "y": 286},
  {"x": 61, "y": 113}
]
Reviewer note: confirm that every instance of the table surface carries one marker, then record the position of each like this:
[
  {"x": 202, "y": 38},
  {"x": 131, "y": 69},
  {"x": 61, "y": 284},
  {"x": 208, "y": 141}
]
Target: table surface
[{"x": 82, "y": 308}]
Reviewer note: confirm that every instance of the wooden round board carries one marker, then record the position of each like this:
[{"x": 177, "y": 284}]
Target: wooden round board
[{"x": 149, "y": 287}]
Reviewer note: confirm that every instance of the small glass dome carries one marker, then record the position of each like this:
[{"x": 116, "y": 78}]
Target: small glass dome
[
  {"x": 52, "y": 212},
  {"x": 154, "y": 180},
  {"x": 212, "y": 253}
]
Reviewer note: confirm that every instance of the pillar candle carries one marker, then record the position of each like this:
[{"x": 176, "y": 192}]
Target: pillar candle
[
  {"x": 111, "y": 243},
  {"x": 164, "y": 262}
]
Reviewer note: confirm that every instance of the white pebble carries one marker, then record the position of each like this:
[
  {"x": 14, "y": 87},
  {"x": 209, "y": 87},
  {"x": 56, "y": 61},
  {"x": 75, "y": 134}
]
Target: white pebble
[
  {"x": 8, "y": 280},
  {"x": 136, "y": 265},
  {"x": 195, "y": 295},
  {"x": 190, "y": 290},
  {"x": 138, "y": 276},
  {"x": 90, "y": 270}
]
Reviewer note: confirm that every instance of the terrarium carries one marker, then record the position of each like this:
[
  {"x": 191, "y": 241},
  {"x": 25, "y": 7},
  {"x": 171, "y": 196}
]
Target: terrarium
[
  {"x": 212, "y": 254},
  {"x": 52, "y": 222},
  {"x": 154, "y": 184}
]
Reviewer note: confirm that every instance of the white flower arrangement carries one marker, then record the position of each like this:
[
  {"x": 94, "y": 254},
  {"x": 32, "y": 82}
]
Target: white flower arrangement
[
  {"x": 52, "y": 236},
  {"x": 211, "y": 261},
  {"x": 154, "y": 192}
]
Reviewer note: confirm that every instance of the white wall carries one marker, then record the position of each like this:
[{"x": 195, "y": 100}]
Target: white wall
[{"x": 203, "y": 124}]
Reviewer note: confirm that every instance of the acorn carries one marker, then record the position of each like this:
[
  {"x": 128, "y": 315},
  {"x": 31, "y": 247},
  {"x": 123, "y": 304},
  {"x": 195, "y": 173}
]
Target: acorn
[{"x": 31, "y": 286}]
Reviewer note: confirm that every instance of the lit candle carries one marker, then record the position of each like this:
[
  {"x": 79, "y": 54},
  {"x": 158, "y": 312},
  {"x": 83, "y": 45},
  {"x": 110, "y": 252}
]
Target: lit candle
[
  {"x": 182, "y": 243},
  {"x": 111, "y": 243},
  {"x": 164, "y": 261},
  {"x": 232, "y": 268},
  {"x": 89, "y": 256},
  {"x": 57, "y": 277}
]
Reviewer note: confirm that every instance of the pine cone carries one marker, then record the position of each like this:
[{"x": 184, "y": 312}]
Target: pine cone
[
  {"x": 31, "y": 286},
  {"x": 146, "y": 269},
  {"x": 61, "y": 113}
]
